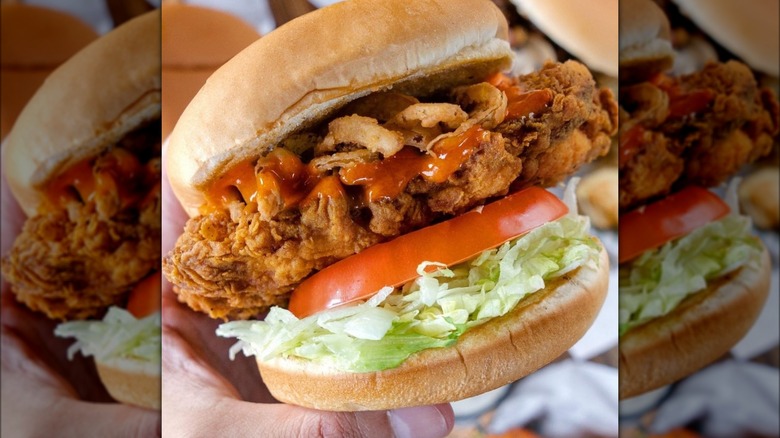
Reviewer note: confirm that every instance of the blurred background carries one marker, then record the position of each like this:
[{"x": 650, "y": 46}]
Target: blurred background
[{"x": 39, "y": 35}]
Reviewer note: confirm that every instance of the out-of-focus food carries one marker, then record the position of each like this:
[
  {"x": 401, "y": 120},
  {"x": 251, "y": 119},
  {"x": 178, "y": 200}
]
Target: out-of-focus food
[
  {"x": 696, "y": 129},
  {"x": 35, "y": 41},
  {"x": 585, "y": 29},
  {"x": 195, "y": 42},
  {"x": 89, "y": 183},
  {"x": 597, "y": 194},
  {"x": 759, "y": 196},
  {"x": 692, "y": 277},
  {"x": 83, "y": 162},
  {"x": 750, "y": 29}
]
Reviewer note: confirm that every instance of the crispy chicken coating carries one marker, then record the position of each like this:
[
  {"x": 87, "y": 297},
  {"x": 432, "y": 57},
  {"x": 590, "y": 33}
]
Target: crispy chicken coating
[
  {"x": 76, "y": 260},
  {"x": 697, "y": 129},
  {"x": 237, "y": 263}
]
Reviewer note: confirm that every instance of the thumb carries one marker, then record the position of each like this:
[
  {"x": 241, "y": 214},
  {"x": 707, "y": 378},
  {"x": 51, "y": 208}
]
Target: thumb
[
  {"x": 198, "y": 401},
  {"x": 74, "y": 417},
  {"x": 30, "y": 388},
  {"x": 292, "y": 421}
]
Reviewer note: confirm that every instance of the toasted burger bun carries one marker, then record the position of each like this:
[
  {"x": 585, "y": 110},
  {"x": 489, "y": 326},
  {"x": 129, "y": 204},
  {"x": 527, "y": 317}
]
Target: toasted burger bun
[
  {"x": 34, "y": 42},
  {"x": 195, "y": 42},
  {"x": 91, "y": 101},
  {"x": 699, "y": 331},
  {"x": 131, "y": 383},
  {"x": 418, "y": 47},
  {"x": 586, "y": 29},
  {"x": 750, "y": 29},
  {"x": 645, "y": 40},
  {"x": 502, "y": 350}
]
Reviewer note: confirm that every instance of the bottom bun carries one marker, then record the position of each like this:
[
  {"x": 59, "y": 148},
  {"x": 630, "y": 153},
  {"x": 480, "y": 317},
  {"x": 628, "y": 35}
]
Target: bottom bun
[
  {"x": 131, "y": 383},
  {"x": 700, "y": 330},
  {"x": 540, "y": 328}
]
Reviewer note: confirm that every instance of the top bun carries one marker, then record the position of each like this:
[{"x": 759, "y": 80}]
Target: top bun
[
  {"x": 91, "y": 101},
  {"x": 645, "y": 40},
  {"x": 308, "y": 68},
  {"x": 588, "y": 30},
  {"x": 749, "y": 29}
]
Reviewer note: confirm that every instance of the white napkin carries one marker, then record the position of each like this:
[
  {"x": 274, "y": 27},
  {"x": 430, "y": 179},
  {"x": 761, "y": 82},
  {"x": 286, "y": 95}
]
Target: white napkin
[
  {"x": 730, "y": 398},
  {"x": 569, "y": 398},
  {"x": 323, "y": 3}
]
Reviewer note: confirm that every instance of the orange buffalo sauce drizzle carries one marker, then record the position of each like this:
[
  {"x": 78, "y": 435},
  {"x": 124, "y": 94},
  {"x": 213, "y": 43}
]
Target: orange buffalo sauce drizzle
[
  {"x": 386, "y": 179},
  {"x": 105, "y": 175},
  {"x": 239, "y": 182},
  {"x": 283, "y": 174},
  {"x": 520, "y": 103},
  {"x": 683, "y": 103}
]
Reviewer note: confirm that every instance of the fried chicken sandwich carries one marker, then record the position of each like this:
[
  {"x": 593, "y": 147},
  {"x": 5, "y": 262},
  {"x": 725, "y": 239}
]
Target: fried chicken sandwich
[
  {"x": 83, "y": 162},
  {"x": 370, "y": 167},
  {"x": 692, "y": 278}
]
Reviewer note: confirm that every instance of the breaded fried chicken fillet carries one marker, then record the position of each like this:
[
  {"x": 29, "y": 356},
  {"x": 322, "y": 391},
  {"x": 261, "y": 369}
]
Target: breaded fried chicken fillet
[
  {"x": 237, "y": 261},
  {"x": 88, "y": 246},
  {"x": 696, "y": 129}
]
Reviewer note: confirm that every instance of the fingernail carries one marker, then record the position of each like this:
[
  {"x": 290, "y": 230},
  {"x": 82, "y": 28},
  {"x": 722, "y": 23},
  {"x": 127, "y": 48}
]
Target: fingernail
[{"x": 422, "y": 422}]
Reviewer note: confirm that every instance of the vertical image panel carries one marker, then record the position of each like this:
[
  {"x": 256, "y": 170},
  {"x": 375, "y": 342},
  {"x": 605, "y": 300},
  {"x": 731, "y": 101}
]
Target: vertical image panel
[
  {"x": 81, "y": 326},
  {"x": 376, "y": 206},
  {"x": 698, "y": 233}
]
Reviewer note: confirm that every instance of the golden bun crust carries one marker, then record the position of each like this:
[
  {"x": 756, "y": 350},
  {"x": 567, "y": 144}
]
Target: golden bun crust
[
  {"x": 749, "y": 29},
  {"x": 130, "y": 383},
  {"x": 703, "y": 328},
  {"x": 309, "y": 67},
  {"x": 588, "y": 30},
  {"x": 88, "y": 103},
  {"x": 190, "y": 53},
  {"x": 645, "y": 40},
  {"x": 540, "y": 329}
]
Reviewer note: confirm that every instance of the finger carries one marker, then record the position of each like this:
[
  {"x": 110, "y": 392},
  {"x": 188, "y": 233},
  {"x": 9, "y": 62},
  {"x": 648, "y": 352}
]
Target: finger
[
  {"x": 196, "y": 398},
  {"x": 173, "y": 215},
  {"x": 30, "y": 389},
  {"x": 73, "y": 417},
  {"x": 12, "y": 217},
  {"x": 32, "y": 354}
]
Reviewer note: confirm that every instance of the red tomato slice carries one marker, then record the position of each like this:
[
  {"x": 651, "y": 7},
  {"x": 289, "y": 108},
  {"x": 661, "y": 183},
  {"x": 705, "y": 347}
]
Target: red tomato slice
[
  {"x": 145, "y": 296},
  {"x": 678, "y": 214},
  {"x": 395, "y": 262}
]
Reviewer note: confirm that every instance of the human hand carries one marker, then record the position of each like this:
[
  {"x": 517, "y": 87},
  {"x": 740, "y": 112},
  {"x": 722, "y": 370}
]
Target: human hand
[
  {"x": 43, "y": 393},
  {"x": 204, "y": 393}
]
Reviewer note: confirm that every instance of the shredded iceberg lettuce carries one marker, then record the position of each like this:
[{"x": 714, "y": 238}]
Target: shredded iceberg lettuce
[
  {"x": 118, "y": 336},
  {"x": 655, "y": 283},
  {"x": 429, "y": 312}
]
